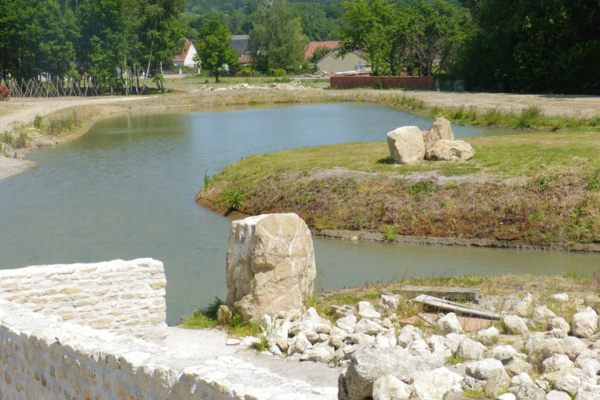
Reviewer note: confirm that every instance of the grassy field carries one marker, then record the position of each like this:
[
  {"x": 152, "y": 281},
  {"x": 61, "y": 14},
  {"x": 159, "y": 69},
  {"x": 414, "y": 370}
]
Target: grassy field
[{"x": 540, "y": 189}]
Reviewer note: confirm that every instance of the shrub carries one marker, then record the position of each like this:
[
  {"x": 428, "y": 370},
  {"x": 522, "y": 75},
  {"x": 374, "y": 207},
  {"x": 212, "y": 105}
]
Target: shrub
[
  {"x": 390, "y": 233},
  {"x": 37, "y": 121},
  {"x": 246, "y": 72},
  {"x": 379, "y": 84},
  {"x": 4, "y": 93},
  {"x": 278, "y": 73},
  {"x": 233, "y": 198}
]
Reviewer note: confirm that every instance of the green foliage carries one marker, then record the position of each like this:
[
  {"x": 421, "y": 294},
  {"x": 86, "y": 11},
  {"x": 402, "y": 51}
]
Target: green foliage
[
  {"x": 262, "y": 345},
  {"x": 233, "y": 198},
  {"x": 534, "y": 46},
  {"x": 454, "y": 359},
  {"x": 390, "y": 233},
  {"x": 277, "y": 40},
  {"x": 15, "y": 141},
  {"x": 278, "y": 73},
  {"x": 214, "y": 49},
  {"x": 37, "y": 121}
]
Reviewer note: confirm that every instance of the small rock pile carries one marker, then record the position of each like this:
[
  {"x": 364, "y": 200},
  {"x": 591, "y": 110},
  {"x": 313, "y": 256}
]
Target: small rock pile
[
  {"x": 295, "y": 85},
  {"x": 383, "y": 361},
  {"x": 410, "y": 145}
]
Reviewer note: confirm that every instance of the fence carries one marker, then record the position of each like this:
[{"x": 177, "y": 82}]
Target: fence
[{"x": 383, "y": 82}]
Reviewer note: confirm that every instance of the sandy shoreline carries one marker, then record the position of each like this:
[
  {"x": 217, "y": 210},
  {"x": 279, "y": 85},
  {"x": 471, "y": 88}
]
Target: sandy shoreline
[{"x": 14, "y": 166}]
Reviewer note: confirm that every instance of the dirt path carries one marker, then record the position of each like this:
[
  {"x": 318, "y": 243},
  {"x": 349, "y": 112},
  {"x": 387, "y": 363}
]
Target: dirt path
[
  {"x": 584, "y": 106},
  {"x": 23, "y": 111}
]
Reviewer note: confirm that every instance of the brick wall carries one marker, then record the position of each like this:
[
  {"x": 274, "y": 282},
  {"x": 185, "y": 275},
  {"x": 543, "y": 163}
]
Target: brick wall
[
  {"x": 389, "y": 82},
  {"x": 125, "y": 297}
]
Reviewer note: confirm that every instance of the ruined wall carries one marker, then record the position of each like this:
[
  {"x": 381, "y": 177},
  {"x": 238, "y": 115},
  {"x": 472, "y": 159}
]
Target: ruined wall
[
  {"x": 388, "y": 82},
  {"x": 125, "y": 297}
]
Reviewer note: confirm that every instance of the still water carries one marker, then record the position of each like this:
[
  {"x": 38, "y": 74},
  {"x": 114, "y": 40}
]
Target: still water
[{"x": 126, "y": 190}]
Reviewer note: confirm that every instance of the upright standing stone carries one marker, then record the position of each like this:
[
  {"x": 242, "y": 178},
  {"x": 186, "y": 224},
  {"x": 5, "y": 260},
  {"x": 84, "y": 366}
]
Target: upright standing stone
[
  {"x": 440, "y": 130},
  {"x": 270, "y": 265}
]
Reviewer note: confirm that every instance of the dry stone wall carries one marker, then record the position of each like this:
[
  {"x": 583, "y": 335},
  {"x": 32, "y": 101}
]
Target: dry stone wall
[{"x": 124, "y": 297}]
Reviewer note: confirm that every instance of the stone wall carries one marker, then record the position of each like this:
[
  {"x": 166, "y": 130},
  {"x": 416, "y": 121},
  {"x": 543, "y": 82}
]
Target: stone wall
[
  {"x": 388, "y": 82},
  {"x": 42, "y": 357},
  {"x": 124, "y": 297}
]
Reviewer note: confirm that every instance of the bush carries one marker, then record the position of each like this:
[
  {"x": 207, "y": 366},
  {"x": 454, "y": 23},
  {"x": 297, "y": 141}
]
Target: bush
[
  {"x": 4, "y": 93},
  {"x": 37, "y": 121},
  {"x": 277, "y": 73},
  {"x": 246, "y": 72}
]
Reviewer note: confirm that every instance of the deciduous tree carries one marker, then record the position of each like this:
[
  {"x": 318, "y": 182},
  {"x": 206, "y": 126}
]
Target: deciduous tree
[{"x": 213, "y": 48}]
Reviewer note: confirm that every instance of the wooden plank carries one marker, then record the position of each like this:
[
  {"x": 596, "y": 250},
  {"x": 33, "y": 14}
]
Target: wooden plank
[
  {"x": 451, "y": 293},
  {"x": 451, "y": 306}
]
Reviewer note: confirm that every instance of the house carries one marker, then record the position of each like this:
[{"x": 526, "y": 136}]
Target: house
[
  {"x": 240, "y": 44},
  {"x": 312, "y": 46},
  {"x": 353, "y": 61},
  {"x": 186, "y": 58}
]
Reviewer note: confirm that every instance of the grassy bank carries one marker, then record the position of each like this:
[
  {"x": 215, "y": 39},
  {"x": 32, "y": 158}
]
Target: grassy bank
[{"x": 539, "y": 189}]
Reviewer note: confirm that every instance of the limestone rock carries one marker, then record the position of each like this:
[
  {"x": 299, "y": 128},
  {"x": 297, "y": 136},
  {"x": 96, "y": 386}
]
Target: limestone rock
[
  {"x": 585, "y": 323},
  {"x": 488, "y": 336},
  {"x": 533, "y": 341},
  {"x": 521, "y": 379},
  {"x": 452, "y": 340},
  {"x": 440, "y": 130},
  {"x": 270, "y": 265},
  {"x": 366, "y": 310},
  {"x": 518, "y": 366},
  {"x": 557, "y": 395},
  {"x": 507, "y": 396},
  {"x": 346, "y": 324},
  {"x": 391, "y": 388},
  {"x": 408, "y": 334},
  {"x": 435, "y": 384},
  {"x": 568, "y": 383},
  {"x": 450, "y": 150},
  {"x": 406, "y": 145},
  {"x": 470, "y": 350},
  {"x": 546, "y": 349},
  {"x": 449, "y": 324},
  {"x": 497, "y": 383},
  {"x": 557, "y": 362},
  {"x": 542, "y": 316},
  {"x": 388, "y": 304},
  {"x": 484, "y": 369},
  {"x": 515, "y": 325},
  {"x": 529, "y": 391},
  {"x": 504, "y": 353},
  {"x": 368, "y": 327},
  {"x": 224, "y": 315},
  {"x": 560, "y": 324},
  {"x": 588, "y": 392},
  {"x": 573, "y": 347}
]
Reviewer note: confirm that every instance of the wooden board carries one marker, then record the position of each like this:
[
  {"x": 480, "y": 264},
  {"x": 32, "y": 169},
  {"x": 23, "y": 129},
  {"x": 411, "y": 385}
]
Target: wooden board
[
  {"x": 449, "y": 293},
  {"x": 451, "y": 306}
]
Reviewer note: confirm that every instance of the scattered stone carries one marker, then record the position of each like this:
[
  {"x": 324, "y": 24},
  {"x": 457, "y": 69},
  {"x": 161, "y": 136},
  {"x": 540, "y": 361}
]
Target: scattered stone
[
  {"x": 449, "y": 324},
  {"x": 406, "y": 145},
  {"x": 368, "y": 327},
  {"x": 560, "y": 297},
  {"x": 557, "y": 362},
  {"x": 346, "y": 324},
  {"x": 568, "y": 383},
  {"x": 488, "y": 336},
  {"x": 507, "y": 396},
  {"x": 450, "y": 150},
  {"x": 504, "y": 353},
  {"x": 366, "y": 310},
  {"x": 518, "y": 366},
  {"x": 557, "y": 395},
  {"x": 542, "y": 316},
  {"x": 533, "y": 341},
  {"x": 301, "y": 343},
  {"x": 224, "y": 315},
  {"x": 391, "y": 388},
  {"x": 484, "y": 369},
  {"x": 585, "y": 323},
  {"x": 249, "y": 341},
  {"x": 546, "y": 349},
  {"x": 515, "y": 325},
  {"x": 497, "y": 383},
  {"x": 408, "y": 334},
  {"x": 470, "y": 350},
  {"x": 529, "y": 391},
  {"x": 452, "y": 341},
  {"x": 270, "y": 265},
  {"x": 559, "y": 324},
  {"x": 342, "y": 311},
  {"x": 435, "y": 384},
  {"x": 573, "y": 347},
  {"x": 521, "y": 379},
  {"x": 233, "y": 342},
  {"x": 388, "y": 304}
]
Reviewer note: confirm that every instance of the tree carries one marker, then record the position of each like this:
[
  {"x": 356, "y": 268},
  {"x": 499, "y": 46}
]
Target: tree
[
  {"x": 534, "y": 46},
  {"x": 213, "y": 48},
  {"x": 378, "y": 29},
  {"x": 277, "y": 40},
  {"x": 437, "y": 31}
]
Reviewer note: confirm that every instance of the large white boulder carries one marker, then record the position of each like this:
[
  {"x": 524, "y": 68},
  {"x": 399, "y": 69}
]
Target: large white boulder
[
  {"x": 435, "y": 384},
  {"x": 270, "y": 265},
  {"x": 585, "y": 323},
  {"x": 450, "y": 150},
  {"x": 470, "y": 350},
  {"x": 391, "y": 388},
  {"x": 406, "y": 145},
  {"x": 440, "y": 130},
  {"x": 449, "y": 324},
  {"x": 515, "y": 325}
]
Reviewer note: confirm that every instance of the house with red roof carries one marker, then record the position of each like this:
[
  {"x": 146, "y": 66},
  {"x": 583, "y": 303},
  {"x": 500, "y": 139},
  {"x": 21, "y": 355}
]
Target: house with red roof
[
  {"x": 312, "y": 46},
  {"x": 186, "y": 58}
]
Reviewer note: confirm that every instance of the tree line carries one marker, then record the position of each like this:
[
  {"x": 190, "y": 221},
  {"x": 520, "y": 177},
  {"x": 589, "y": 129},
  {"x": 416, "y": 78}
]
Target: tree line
[
  {"x": 494, "y": 45},
  {"x": 117, "y": 43}
]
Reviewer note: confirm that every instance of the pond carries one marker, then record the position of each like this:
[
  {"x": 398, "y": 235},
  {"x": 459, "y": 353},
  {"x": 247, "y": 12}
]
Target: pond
[{"x": 126, "y": 190}]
